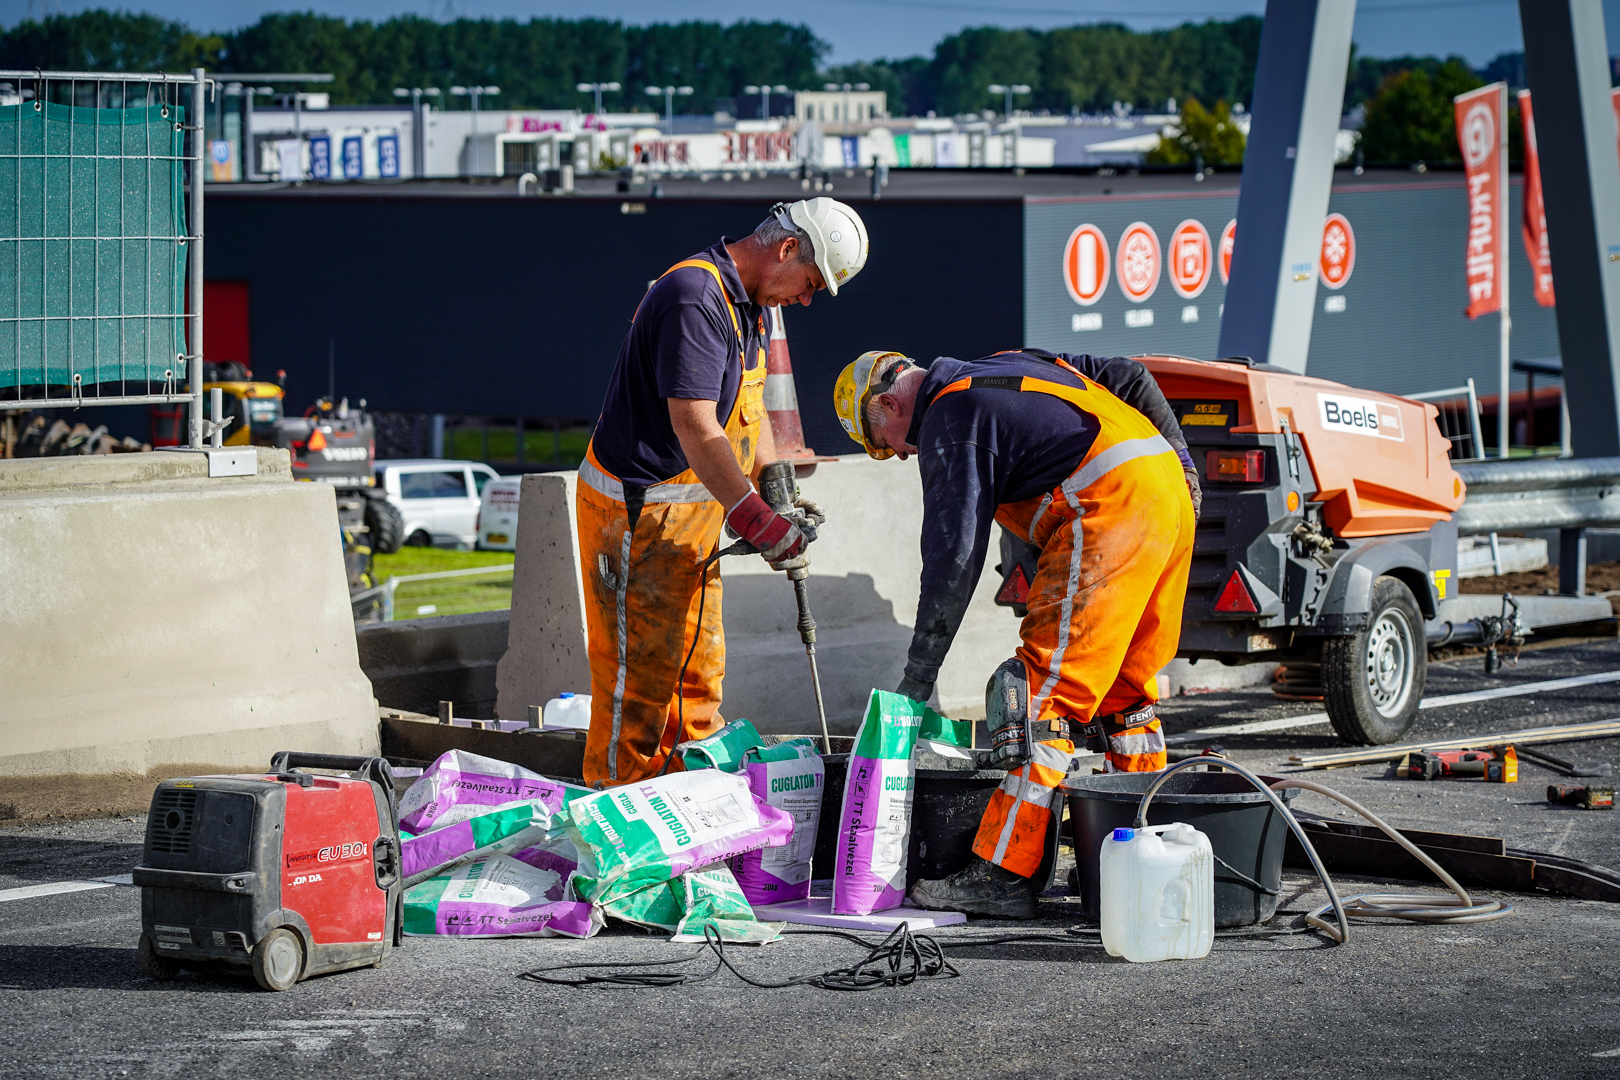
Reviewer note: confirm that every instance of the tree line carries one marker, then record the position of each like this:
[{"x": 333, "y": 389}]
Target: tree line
[{"x": 537, "y": 64}]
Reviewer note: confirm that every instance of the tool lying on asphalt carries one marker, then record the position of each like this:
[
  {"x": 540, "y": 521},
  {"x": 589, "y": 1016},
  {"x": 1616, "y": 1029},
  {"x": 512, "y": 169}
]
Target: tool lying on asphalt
[
  {"x": 1598, "y": 729},
  {"x": 285, "y": 873},
  {"x": 1497, "y": 766},
  {"x": 1568, "y": 768},
  {"x": 1587, "y": 798},
  {"x": 779, "y": 487}
]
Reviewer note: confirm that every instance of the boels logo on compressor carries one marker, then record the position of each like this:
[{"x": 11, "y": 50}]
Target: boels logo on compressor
[{"x": 1359, "y": 416}]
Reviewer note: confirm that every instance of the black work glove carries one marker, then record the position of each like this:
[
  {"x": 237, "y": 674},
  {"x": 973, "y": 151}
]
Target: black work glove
[
  {"x": 1195, "y": 491},
  {"x": 915, "y": 689}
]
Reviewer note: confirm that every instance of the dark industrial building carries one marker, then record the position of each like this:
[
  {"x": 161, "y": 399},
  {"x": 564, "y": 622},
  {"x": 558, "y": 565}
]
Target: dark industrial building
[{"x": 469, "y": 300}]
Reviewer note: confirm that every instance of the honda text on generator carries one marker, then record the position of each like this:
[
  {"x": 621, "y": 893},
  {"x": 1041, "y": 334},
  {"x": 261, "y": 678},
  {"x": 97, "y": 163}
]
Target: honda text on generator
[
  {"x": 1325, "y": 536},
  {"x": 285, "y": 873}
]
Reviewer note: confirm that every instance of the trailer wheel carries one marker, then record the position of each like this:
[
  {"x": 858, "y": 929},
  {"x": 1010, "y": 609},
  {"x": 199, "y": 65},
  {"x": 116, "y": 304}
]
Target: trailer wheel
[
  {"x": 153, "y": 966},
  {"x": 387, "y": 525},
  {"x": 278, "y": 959},
  {"x": 1372, "y": 681}
]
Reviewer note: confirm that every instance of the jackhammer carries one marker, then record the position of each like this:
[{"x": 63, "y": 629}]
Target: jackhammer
[{"x": 778, "y": 486}]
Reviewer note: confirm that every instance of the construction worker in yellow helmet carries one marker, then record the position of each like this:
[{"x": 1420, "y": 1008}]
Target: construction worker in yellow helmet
[
  {"x": 682, "y": 437},
  {"x": 1083, "y": 458}
]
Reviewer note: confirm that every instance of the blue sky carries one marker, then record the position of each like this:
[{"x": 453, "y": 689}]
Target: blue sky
[{"x": 864, "y": 29}]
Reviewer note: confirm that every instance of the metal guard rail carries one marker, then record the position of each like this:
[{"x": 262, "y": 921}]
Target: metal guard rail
[{"x": 1549, "y": 493}]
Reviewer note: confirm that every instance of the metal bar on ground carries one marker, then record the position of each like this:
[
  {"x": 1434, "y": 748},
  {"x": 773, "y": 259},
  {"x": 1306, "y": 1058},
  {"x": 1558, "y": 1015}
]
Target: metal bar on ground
[
  {"x": 1564, "y": 733},
  {"x": 1286, "y": 723}
]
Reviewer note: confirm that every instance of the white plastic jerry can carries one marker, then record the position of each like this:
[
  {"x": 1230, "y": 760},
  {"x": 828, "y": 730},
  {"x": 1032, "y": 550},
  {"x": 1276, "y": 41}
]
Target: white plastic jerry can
[
  {"x": 567, "y": 711},
  {"x": 1158, "y": 893}
]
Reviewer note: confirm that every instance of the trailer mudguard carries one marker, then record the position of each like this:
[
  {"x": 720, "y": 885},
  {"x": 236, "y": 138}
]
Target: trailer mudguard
[{"x": 1349, "y": 593}]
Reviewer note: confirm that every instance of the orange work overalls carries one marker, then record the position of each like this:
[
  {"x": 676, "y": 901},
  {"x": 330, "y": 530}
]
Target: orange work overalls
[
  {"x": 642, "y": 584},
  {"x": 1104, "y": 609}
]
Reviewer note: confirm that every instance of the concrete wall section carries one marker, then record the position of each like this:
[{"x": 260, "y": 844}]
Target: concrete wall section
[
  {"x": 545, "y": 652},
  {"x": 150, "y": 615}
]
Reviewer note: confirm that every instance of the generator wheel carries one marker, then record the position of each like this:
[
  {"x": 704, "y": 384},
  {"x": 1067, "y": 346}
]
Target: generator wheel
[
  {"x": 151, "y": 964},
  {"x": 387, "y": 525},
  {"x": 278, "y": 959},
  {"x": 1372, "y": 681}
]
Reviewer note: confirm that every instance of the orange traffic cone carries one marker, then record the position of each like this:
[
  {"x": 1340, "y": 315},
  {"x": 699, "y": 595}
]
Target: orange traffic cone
[{"x": 782, "y": 400}]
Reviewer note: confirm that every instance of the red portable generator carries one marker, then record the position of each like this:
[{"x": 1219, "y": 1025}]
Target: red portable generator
[{"x": 287, "y": 873}]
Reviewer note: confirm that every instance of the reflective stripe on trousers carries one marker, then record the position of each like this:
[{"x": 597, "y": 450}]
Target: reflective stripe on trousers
[{"x": 1012, "y": 833}]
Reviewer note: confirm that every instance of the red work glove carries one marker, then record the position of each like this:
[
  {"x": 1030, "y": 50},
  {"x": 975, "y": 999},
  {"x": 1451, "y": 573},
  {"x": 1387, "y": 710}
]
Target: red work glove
[{"x": 775, "y": 536}]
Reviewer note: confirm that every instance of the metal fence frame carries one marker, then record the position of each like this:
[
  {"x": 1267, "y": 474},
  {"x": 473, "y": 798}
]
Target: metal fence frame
[
  {"x": 192, "y": 320},
  {"x": 1476, "y": 434}
]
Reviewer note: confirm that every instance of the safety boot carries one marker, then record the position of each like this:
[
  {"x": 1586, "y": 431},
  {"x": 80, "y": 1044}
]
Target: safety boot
[{"x": 981, "y": 889}]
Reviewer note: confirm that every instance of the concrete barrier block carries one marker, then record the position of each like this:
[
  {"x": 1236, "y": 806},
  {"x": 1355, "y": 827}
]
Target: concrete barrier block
[
  {"x": 865, "y": 577},
  {"x": 416, "y": 663},
  {"x": 150, "y": 615},
  {"x": 545, "y": 651}
]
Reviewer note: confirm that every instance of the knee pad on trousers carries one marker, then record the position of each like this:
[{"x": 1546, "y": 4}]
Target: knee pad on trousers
[{"x": 1006, "y": 712}]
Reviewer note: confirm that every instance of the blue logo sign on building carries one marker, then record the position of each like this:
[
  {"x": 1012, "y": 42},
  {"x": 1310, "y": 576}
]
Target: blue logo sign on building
[
  {"x": 353, "y": 166},
  {"x": 388, "y": 156},
  {"x": 320, "y": 157}
]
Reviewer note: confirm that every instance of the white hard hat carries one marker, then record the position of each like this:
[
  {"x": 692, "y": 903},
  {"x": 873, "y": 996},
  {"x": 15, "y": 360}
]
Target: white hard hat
[{"x": 835, "y": 231}]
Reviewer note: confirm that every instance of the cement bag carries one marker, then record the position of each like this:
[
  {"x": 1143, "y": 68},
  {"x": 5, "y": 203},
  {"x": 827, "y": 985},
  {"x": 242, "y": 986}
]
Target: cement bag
[
  {"x": 874, "y": 823},
  {"x": 460, "y": 785},
  {"x": 692, "y": 901},
  {"x": 723, "y": 750},
  {"x": 502, "y": 829},
  {"x": 654, "y": 831},
  {"x": 790, "y": 777},
  {"x": 497, "y": 896},
  {"x": 556, "y": 851}
]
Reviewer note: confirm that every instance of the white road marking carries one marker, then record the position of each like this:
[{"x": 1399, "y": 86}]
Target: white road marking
[
  {"x": 1608, "y": 1053},
  {"x": 58, "y": 887},
  {"x": 1287, "y": 723}
]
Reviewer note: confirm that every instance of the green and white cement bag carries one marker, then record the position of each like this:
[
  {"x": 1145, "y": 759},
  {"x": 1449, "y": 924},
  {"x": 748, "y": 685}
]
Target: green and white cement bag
[
  {"x": 874, "y": 823},
  {"x": 687, "y": 904},
  {"x": 651, "y": 832},
  {"x": 724, "y": 750}
]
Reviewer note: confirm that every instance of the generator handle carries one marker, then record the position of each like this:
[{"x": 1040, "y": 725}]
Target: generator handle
[{"x": 371, "y": 768}]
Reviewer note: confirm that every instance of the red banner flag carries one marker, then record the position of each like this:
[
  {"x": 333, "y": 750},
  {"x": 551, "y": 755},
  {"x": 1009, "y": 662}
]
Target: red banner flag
[
  {"x": 1535, "y": 208},
  {"x": 1481, "y": 133}
]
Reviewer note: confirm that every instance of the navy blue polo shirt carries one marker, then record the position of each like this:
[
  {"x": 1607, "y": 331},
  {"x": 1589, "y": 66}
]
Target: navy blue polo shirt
[
  {"x": 681, "y": 344},
  {"x": 981, "y": 448}
]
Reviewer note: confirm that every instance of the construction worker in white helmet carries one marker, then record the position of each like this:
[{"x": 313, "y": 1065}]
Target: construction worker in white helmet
[
  {"x": 682, "y": 437},
  {"x": 1083, "y": 458}
]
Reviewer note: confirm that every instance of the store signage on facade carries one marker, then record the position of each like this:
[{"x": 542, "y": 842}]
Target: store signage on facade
[
  {"x": 1228, "y": 239},
  {"x": 1191, "y": 259},
  {"x": 1085, "y": 265},
  {"x": 1481, "y": 131},
  {"x": 1139, "y": 260},
  {"x": 1338, "y": 251}
]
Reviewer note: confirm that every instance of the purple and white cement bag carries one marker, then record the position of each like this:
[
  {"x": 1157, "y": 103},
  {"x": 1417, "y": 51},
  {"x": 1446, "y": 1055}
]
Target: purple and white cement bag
[
  {"x": 498, "y": 896},
  {"x": 790, "y": 777},
  {"x": 461, "y": 785},
  {"x": 501, "y": 829},
  {"x": 874, "y": 824}
]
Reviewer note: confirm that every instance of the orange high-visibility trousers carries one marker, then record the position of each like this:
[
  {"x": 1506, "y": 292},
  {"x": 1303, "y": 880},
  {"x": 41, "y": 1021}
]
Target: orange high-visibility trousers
[
  {"x": 644, "y": 584},
  {"x": 1104, "y": 612}
]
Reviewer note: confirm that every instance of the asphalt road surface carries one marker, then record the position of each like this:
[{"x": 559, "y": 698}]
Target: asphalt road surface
[{"x": 1532, "y": 995}]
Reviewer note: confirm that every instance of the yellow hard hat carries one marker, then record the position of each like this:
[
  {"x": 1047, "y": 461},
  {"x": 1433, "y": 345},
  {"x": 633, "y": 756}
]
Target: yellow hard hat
[{"x": 872, "y": 373}]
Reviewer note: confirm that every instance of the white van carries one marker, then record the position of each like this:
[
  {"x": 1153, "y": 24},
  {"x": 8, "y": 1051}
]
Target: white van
[
  {"x": 498, "y": 515},
  {"x": 438, "y": 499}
]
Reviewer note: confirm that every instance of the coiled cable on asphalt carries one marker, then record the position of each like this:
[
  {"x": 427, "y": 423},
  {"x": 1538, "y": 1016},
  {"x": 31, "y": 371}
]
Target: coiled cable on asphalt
[{"x": 900, "y": 959}]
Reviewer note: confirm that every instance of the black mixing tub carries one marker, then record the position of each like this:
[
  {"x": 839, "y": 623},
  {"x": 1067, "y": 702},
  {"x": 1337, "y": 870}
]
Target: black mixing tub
[{"x": 946, "y": 809}]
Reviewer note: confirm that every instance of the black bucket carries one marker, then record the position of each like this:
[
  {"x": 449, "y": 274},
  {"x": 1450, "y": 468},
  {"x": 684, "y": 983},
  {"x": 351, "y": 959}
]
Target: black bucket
[
  {"x": 945, "y": 811},
  {"x": 1245, "y": 832}
]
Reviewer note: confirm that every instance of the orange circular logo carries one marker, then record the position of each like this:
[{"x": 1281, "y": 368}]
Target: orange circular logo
[
  {"x": 1191, "y": 259},
  {"x": 1085, "y": 265},
  {"x": 1228, "y": 238},
  {"x": 1139, "y": 260},
  {"x": 1338, "y": 251}
]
